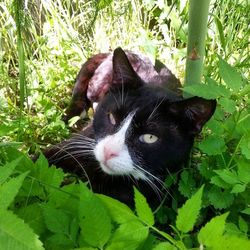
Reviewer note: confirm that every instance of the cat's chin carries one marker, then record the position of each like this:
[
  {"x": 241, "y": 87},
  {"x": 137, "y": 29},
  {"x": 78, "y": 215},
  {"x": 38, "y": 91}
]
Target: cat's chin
[{"x": 120, "y": 169}]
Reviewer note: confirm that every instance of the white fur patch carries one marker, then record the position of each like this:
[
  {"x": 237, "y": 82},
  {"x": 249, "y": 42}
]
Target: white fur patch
[{"x": 121, "y": 163}]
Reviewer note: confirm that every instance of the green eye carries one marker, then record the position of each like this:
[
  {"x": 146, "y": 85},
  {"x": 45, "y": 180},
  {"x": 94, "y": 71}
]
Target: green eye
[{"x": 148, "y": 138}]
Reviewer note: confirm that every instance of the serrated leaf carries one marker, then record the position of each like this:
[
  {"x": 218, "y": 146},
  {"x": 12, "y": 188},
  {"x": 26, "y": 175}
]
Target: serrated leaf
[
  {"x": 59, "y": 241},
  {"x": 95, "y": 222},
  {"x": 213, "y": 145},
  {"x": 15, "y": 234},
  {"x": 25, "y": 163},
  {"x": 45, "y": 179},
  {"x": 213, "y": 230},
  {"x": 186, "y": 184},
  {"x": 243, "y": 170},
  {"x": 201, "y": 90},
  {"x": 9, "y": 190},
  {"x": 220, "y": 199},
  {"x": 228, "y": 105},
  {"x": 118, "y": 211},
  {"x": 216, "y": 180},
  {"x": 189, "y": 212},
  {"x": 205, "y": 170},
  {"x": 56, "y": 220},
  {"x": 243, "y": 125},
  {"x": 142, "y": 208},
  {"x": 66, "y": 198},
  {"x": 228, "y": 176},
  {"x": 231, "y": 242},
  {"x": 245, "y": 146},
  {"x": 33, "y": 216},
  {"x": 47, "y": 175},
  {"x": 230, "y": 76},
  {"x": 128, "y": 236},
  {"x": 7, "y": 170}
]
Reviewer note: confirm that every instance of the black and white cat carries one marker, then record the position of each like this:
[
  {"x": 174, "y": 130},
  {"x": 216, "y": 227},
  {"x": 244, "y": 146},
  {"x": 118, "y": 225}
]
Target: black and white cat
[{"x": 141, "y": 132}]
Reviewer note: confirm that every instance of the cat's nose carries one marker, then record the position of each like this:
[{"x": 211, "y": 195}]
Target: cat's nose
[{"x": 109, "y": 153}]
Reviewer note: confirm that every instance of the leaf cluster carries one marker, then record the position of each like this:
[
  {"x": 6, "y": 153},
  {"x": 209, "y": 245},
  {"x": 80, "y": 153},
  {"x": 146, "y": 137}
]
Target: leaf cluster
[{"x": 38, "y": 213}]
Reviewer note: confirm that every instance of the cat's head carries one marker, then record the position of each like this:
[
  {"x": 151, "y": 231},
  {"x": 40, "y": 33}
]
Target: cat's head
[{"x": 145, "y": 131}]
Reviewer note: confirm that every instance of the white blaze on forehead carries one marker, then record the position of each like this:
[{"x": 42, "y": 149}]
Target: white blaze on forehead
[{"x": 122, "y": 164}]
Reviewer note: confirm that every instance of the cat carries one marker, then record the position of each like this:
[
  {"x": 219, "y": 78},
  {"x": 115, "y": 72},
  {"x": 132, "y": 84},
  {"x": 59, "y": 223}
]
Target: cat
[{"x": 141, "y": 132}]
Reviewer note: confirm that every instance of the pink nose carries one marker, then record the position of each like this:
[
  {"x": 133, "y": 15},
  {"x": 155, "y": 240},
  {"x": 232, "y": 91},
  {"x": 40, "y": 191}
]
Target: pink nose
[{"x": 109, "y": 153}]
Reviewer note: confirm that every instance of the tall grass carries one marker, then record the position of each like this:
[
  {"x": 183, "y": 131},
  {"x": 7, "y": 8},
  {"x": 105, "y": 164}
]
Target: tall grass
[{"x": 59, "y": 35}]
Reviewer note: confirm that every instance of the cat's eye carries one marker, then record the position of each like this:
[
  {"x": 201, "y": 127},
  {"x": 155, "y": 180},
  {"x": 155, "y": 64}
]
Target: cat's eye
[
  {"x": 111, "y": 118},
  {"x": 148, "y": 138}
]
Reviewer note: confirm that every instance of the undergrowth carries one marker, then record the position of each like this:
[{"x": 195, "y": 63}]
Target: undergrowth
[{"x": 209, "y": 207}]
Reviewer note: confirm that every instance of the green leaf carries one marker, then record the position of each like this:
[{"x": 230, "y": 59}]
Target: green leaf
[
  {"x": 15, "y": 234},
  {"x": 66, "y": 198},
  {"x": 56, "y": 220},
  {"x": 33, "y": 216},
  {"x": 9, "y": 190},
  {"x": 245, "y": 146},
  {"x": 164, "y": 246},
  {"x": 216, "y": 180},
  {"x": 128, "y": 236},
  {"x": 228, "y": 176},
  {"x": 238, "y": 188},
  {"x": 205, "y": 170},
  {"x": 118, "y": 211},
  {"x": 45, "y": 179},
  {"x": 201, "y": 90},
  {"x": 95, "y": 222},
  {"x": 243, "y": 226},
  {"x": 213, "y": 145},
  {"x": 204, "y": 90},
  {"x": 7, "y": 170},
  {"x": 230, "y": 76},
  {"x": 243, "y": 170},
  {"x": 47, "y": 175},
  {"x": 59, "y": 241},
  {"x": 213, "y": 230},
  {"x": 189, "y": 212},
  {"x": 220, "y": 199},
  {"x": 228, "y": 105},
  {"x": 186, "y": 184},
  {"x": 142, "y": 208},
  {"x": 246, "y": 211},
  {"x": 231, "y": 242}
]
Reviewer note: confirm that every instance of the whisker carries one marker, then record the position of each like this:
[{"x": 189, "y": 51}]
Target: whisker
[
  {"x": 157, "y": 105},
  {"x": 159, "y": 181},
  {"x": 75, "y": 159}
]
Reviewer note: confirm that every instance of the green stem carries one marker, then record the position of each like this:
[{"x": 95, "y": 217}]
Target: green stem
[
  {"x": 21, "y": 58},
  {"x": 197, "y": 29}
]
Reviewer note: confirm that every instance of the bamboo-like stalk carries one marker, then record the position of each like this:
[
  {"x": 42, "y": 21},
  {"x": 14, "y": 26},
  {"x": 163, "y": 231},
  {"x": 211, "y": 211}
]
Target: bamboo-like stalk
[
  {"x": 18, "y": 11},
  {"x": 197, "y": 30}
]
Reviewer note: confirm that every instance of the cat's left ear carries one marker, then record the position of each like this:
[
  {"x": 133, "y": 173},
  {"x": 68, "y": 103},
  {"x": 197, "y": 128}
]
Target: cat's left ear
[
  {"x": 123, "y": 72},
  {"x": 194, "y": 112}
]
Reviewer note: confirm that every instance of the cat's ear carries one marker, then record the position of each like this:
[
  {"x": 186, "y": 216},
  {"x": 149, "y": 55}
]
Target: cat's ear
[
  {"x": 123, "y": 72},
  {"x": 194, "y": 112}
]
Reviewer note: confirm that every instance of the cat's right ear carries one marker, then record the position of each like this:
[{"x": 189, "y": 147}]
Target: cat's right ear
[{"x": 123, "y": 72}]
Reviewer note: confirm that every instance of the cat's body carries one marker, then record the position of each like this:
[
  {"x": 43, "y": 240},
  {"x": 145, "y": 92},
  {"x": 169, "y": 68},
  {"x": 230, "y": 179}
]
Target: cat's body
[{"x": 141, "y": 132}]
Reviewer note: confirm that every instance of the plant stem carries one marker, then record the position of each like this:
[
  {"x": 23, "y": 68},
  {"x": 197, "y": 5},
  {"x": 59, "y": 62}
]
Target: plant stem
[
  {"x": 18, "y": 8},
  {"x": 197, "y": 29}
]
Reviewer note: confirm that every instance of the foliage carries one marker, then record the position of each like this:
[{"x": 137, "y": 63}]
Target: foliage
[
  {"x": 38, "y": 213},
  {"x": 57, "y": 36}
]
